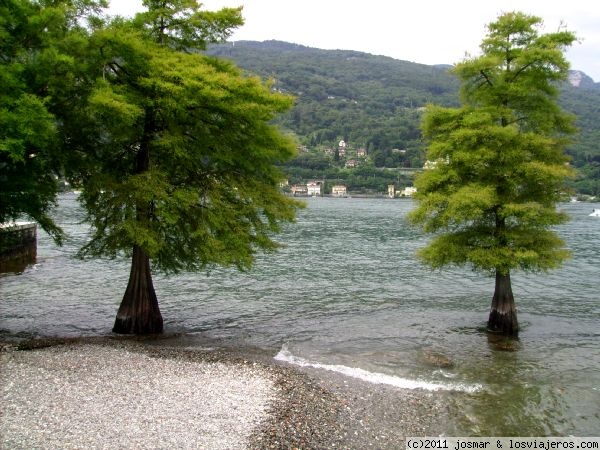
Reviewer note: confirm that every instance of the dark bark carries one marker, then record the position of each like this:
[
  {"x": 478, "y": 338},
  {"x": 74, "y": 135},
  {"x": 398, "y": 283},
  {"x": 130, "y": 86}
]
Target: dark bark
[
  {"x": 503, "y": 313},
  {"x": 139, "y": 312}
]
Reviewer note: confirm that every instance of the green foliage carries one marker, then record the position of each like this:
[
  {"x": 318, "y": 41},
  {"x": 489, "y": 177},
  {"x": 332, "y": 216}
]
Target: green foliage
[
  {"x": 179, "y": 156},
  {"x": 585, "y": 150},
  {"x": 500, "y": 167},
  {"x": 376, "y": 102},
  {"x": 34, "y": 37},
  {"x": 364, "y": 179},
  {"x": 371, "y": 101},
  {"x": 183, "y": 25},
  {"x": 519, "y": 71}
]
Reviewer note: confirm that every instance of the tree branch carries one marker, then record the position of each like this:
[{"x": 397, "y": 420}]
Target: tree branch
[
  {"x": 487, "y": 79},
  {"x": 521, "y": 70}
]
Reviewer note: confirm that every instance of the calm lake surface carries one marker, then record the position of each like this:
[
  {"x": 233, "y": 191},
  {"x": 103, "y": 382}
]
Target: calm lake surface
[{"x": 346, "y": 294}]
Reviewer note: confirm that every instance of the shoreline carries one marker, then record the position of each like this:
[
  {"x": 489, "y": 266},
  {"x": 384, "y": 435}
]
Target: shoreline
[{"x": 307, "y": 408}]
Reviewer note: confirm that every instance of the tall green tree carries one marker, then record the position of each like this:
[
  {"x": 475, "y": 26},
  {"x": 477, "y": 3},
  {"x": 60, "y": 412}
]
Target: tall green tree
[
  {"x": 500, "y": 167},
  {"x": 34, "y": 37},
  {"x": 180, "y": 162}
]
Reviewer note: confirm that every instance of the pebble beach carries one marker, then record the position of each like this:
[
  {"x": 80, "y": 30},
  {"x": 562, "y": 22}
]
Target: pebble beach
[{"x": 106, "y": 393}]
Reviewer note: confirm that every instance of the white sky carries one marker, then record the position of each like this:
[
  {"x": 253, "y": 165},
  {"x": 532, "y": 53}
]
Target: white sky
[{"x": 422, "y": 31}]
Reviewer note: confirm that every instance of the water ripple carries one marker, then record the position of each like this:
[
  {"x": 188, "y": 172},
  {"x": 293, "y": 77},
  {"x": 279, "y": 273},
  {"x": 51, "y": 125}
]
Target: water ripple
[{"x": 347, "y": 290}]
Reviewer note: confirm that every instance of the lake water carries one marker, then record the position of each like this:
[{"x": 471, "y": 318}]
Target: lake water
[{"x": 346, "y": 294}]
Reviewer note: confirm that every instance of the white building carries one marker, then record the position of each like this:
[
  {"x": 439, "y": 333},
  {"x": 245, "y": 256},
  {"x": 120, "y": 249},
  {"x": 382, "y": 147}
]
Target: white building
[
  {"x": 313, "y": 189},
  {"x": 342, "y": 148},
  {"x": 408, "y": 191},
  {"x": 433, "y": 164},
  {"x": 391, "y": 191},
  {"x": 339, "y": 190},
  {"x": 299, "y": 189}
]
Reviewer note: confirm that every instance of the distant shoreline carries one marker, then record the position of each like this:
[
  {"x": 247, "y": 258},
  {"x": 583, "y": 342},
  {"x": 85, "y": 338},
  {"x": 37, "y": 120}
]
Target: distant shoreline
[{"x": 381, "y": 195}]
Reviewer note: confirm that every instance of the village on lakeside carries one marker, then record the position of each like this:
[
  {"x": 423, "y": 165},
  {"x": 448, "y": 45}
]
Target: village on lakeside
[{"x": 337, "y": 189}]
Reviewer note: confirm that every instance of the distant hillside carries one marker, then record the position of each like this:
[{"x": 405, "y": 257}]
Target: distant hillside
[
  {"x": 375, "y": 102},
  {"x": 584, "y": 102},
  {"x": 367, "y": 100}
]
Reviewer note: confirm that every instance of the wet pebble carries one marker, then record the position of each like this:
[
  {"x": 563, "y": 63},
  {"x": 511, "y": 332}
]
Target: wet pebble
[{"x": 105, "y": 393}]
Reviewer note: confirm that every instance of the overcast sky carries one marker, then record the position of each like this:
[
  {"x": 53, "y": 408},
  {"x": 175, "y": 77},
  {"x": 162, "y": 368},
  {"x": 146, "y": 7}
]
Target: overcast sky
[{"x": 423, "y": 31}]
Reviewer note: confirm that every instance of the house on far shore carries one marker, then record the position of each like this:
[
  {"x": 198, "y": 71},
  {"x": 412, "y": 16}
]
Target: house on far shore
[
  {"x": 429, "y": 165},
  {"x": 339, "y": 190},
  {"x": 351, "y": 164},
  {"x": 299, "y": 190},
  {"x": 408, "y": 191},
  {"x": 313, "y": 189},
  {"x": 342, "y": 148},
  {"x": 361, "y": 152},
  {"x": 391, "y": 191}
]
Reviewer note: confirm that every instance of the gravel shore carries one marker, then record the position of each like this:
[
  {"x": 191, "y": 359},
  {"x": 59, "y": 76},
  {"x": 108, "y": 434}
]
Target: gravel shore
[{"x": 118, "y": 393}]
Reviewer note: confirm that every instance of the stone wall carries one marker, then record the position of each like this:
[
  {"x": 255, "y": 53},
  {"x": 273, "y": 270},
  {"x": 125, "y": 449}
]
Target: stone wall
[{"x": 18, "y": 246}]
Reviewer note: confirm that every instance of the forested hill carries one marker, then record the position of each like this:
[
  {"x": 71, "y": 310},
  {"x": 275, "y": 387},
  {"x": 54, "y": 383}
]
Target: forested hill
[
  {"x": 375, "y": 102},
  {"x": 367, "y": 100}
]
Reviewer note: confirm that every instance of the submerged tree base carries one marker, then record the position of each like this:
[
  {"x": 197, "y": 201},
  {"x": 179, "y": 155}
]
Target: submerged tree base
[
  {"x": 502, "y": 343},
  {"x": 139, "y": 312},
  {"x": 503, "y": 313},
  {"x": 129, "y": 325},
  {"x": 503, "y": 323}
]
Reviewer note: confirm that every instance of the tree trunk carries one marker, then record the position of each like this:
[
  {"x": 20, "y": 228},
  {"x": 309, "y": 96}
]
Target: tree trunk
[
  {"x": 139, "y": 312},
  {"x": 503, "y": 313}
]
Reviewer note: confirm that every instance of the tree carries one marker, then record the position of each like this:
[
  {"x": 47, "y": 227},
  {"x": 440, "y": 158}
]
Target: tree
[
  {"x": 500, "y": 166},
  {"x": 33, "y": 36},
  {"x": 178, "y": 165}
]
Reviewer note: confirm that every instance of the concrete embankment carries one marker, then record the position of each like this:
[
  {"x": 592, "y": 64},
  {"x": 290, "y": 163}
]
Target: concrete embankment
[{"x": 18, "y": 246}]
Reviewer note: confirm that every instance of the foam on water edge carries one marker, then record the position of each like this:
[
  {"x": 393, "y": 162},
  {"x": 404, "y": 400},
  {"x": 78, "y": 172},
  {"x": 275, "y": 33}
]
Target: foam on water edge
[{"x": 374, "y": 377}]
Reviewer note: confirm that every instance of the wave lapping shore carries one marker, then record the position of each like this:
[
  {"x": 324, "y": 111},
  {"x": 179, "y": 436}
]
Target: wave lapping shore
[{"x": 115, "y": 393}]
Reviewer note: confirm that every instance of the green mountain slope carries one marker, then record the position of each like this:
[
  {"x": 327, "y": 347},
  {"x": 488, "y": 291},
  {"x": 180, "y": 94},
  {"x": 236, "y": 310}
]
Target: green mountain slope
[
  {"x": 584, "y": 102},
  {"x": 375, "y": 103}
]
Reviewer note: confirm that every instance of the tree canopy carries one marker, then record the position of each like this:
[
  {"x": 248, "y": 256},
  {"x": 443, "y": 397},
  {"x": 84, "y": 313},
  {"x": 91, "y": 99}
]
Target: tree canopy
[
  {"x": 28, "y": 134},
  {"x": 174, "y": 150},
  {"x": 39, "y": 56},
  {"x": 500, "y": 166},
  {"x": 210, "y": 178}
]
